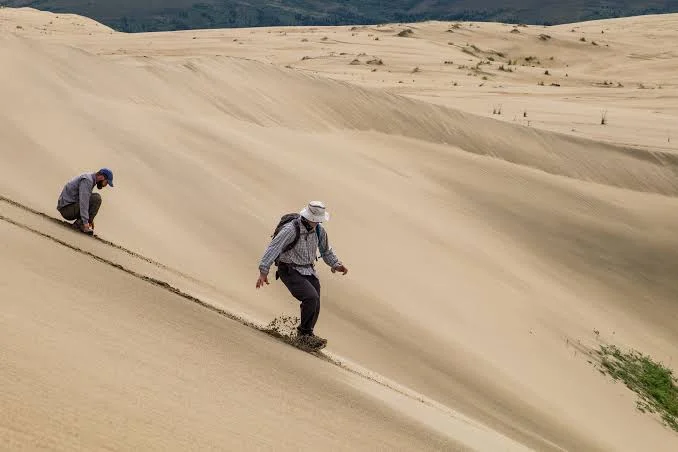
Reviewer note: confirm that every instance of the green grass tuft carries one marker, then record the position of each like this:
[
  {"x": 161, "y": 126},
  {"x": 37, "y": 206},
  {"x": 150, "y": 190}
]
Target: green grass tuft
[{"x": 654, "y": 383}]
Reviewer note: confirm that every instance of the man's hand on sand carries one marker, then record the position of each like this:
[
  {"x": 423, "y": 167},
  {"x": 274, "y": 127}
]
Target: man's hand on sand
[
  {"x": 87, "y": 228},
  {"x": 262, "y": 279},
  {"x": 340, "y": 268}
]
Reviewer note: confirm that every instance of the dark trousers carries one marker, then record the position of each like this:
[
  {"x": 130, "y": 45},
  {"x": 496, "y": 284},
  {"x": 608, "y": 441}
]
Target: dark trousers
[
  {"x": 72, "y": 211},
  {"x": 305, "y": 289}
]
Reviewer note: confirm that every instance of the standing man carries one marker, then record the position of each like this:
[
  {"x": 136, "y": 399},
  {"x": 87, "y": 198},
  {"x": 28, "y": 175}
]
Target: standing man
[
  {"x": 77, "y": 202},
  {"x": 294, "y": 249}
]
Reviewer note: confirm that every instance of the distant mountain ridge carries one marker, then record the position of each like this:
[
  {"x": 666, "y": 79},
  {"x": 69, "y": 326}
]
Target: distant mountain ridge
[{"x": 165, "y": 15}]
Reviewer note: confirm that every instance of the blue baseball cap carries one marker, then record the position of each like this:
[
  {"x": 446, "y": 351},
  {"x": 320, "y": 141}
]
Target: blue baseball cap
[{"x": 108, "y": 174}]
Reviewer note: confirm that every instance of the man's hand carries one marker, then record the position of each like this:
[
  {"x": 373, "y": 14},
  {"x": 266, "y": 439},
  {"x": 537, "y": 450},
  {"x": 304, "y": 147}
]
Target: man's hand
[
  {"x": 87, "y": 228},
  {"x": 340, "y": 268},
  {"x": 262, "y": 279}
]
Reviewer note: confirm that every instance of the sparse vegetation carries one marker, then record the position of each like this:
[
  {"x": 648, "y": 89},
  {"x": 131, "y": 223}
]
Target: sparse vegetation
[
  {"x": 603, "y": 117},
  {"x": 505, "y": 69},
  {"x": 415, "y": 70},
  {"x": 582, "y": 39},
  {"x": 405, "y": 33},
  {"x": 355, "y": 61},
  {"x": 546, "y": 72},
  {"x": 544, "y": 37},
  {"x": 594, "y": 43},
  {"x": 655, "y": 384},
  {"x": 376, "y": 61},
  {"x": 515, "y": 30}
]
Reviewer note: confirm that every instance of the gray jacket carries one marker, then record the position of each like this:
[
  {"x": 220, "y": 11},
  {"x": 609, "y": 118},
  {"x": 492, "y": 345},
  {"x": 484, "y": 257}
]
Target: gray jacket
[{"x": 79, "y": 190}]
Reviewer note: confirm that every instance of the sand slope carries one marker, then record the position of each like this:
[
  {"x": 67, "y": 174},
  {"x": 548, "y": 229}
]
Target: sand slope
[{"x": 479, "y": 249}]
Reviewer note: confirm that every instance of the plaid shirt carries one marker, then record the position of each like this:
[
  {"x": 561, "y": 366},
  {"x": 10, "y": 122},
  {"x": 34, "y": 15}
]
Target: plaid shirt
[{"x": 303, "y": 256}]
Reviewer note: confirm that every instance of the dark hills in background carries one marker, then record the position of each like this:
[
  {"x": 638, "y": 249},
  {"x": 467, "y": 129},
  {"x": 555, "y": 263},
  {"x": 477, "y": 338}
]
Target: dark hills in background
[{"x": 164, "y": 15}]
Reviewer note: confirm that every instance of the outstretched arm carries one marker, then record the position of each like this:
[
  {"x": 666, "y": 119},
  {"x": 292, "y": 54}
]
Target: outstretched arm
[
  {"x": 327, "y": 253},
  {"x": 284, "y": 238}
]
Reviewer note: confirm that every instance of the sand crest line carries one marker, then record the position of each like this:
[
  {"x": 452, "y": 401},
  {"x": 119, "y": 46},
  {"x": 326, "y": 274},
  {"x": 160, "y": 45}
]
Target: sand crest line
[
  {"x": 107, "y": 242},
  {"x": 328, "y": 357}
]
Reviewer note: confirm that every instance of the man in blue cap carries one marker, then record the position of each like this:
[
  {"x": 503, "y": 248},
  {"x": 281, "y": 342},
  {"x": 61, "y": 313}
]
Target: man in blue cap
[{"x": 77, "y": 202}]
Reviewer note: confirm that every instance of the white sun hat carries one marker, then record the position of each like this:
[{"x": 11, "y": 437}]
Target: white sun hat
[{"x": 315, "y": 212}]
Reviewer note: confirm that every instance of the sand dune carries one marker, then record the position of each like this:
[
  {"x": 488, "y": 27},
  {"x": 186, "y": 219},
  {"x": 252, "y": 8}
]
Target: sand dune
[{"x": 480, "y": 247}]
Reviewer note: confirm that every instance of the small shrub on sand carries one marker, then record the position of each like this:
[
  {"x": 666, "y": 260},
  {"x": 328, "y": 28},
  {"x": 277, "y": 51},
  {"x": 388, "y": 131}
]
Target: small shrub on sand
[{"x": 655, "y": 384}]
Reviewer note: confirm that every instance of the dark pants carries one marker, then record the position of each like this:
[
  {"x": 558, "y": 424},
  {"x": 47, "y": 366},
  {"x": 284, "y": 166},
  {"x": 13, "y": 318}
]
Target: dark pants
[
  {"x": 72, "y": 211},
  {"x": 305, "y": 289}
]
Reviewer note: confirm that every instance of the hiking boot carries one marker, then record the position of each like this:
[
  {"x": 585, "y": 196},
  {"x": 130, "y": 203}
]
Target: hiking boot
[
  {"x": 321, "y": 339},
  {"x": 310, "y": 341}
]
